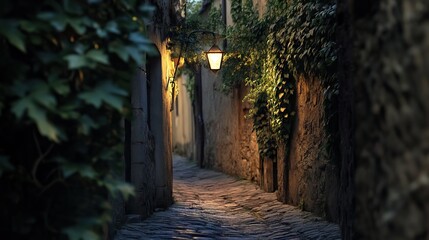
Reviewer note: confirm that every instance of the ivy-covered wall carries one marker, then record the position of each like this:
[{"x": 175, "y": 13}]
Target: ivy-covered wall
[
  {"x": 287, "y": 58},
  {"x": 276, "y": 121}
]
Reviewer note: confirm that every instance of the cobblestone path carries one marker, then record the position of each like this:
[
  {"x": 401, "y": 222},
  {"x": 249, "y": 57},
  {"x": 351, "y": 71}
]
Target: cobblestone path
[{"x": 212, "y": 205}]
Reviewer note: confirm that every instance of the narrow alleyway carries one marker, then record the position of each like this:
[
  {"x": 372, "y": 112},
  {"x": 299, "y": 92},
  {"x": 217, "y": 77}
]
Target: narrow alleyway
[{"x": 212, "y": 205}]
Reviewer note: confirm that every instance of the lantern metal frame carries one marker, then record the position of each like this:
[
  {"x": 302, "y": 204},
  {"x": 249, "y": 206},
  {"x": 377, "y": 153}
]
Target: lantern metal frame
[{"x": 184, "y": 47}]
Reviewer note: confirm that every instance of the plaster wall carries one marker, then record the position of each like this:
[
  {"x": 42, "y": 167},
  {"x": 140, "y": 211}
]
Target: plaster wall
[
  {"x": 183, "y": 125},
  {"x": 230, "y": 143}
]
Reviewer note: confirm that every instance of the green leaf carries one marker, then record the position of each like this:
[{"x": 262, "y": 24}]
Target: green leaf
[
  {"x": 20, "y": 89},
  {"x": 19, "y": 107},
  {"x": 118, "y": 187},
  {"x": 47, "y": 100},
  {"x": 68, "y": 111},
  {"x": 57, "y": 20},
  {"x": 135, "y": 54},
  {"x": 42, "y": 95},
  {"x": 60, "y": 86},
  {"x": 31, "y": 26},
  {"x": 80, "y": 232},
  {"x": 72, "y": 7},
  {"x": 126, "y": 190},
  {"x": 150, "y": 49},
  {"x": 45, "y": 127},
  {"x": 80, "y": 48},
  {"x": 87, "y": 124},
  {"x": 129, "y": 4},
  {"x": 76, "y": 61},
  {"x": 120, "y": 50},
  {"x": 5, "y": 165},
  {"x": 112, "y": 27},
  {"x": 47, "y": 57},
  {"x": 38, "y": 92},
  {"x": 9, "y": 29},
  {"x": 98, "y": 56},
  {"x": 138, "y": 37},
  {"x": 101, "y": 33},
  {"x": 32, "y": 103},
  {"x": 106, "y": 92},
  {"x": 77, "y": 24},
  {"x": 84, "y": 170}
]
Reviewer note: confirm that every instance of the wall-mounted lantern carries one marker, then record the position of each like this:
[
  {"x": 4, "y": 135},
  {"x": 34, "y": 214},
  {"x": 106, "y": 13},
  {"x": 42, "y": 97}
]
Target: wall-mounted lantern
[
  {"x": 215, "y": 57},
  {"x": 214, "y": 54}
]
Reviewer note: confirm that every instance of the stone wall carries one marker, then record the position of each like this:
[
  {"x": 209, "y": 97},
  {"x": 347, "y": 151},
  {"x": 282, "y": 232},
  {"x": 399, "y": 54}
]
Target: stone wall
[
  {"x": 160, "y": 122},
  {"x": 230, "y": 141},
  {"x": 312, "y": 177},
  {"x": 391, "y": 83},
  {"x": 306, "y": 175},
  {"x": 148, "y": 137}
]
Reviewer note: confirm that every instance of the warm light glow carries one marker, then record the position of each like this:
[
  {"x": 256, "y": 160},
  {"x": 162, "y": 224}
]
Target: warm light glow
[{"x": 215, "y": 56}]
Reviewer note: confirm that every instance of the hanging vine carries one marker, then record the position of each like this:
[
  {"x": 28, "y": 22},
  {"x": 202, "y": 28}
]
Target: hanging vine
[{"x": 267, "y": 53}]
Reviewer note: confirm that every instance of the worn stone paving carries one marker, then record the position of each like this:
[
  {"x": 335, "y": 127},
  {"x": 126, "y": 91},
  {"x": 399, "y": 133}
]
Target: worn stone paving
[{"x": 212, "y": 205}]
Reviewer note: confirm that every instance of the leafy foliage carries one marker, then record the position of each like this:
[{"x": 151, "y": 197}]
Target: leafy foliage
[
  {"x": 191, "y": 46},
  {"x": 246, "y": 46},
  {"x": 66, "y": 66},
  {"x": 267, "y": 53}
]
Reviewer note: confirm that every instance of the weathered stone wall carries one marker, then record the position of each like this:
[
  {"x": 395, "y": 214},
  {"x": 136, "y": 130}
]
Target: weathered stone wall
[
  {"x": 312, "y": 177},
  {"x": 160, "y": 123},
  {"x": 148, "y": 138},
  {"x": 392, "y": 112},
  {"x": 230, "y": 142},
  {"x": 306, "y": 175},
  {"x": 141, "y": 162}
]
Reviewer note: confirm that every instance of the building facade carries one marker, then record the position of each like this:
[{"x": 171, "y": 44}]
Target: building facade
[{"x": 148, "y": 137}]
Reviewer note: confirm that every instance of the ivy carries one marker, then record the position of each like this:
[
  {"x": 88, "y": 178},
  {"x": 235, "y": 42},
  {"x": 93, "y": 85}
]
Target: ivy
[
  {"x": 268, "y": 53},
  {"x": 66, "y": 67},
  {"x": 310, "y": 35},
  {"x": 194, "y": 45}
]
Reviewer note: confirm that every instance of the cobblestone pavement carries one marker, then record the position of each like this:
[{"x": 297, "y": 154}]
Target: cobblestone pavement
[{"x": 212, "y": 205}]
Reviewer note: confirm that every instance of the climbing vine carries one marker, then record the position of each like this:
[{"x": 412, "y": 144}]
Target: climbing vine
[
  {"x": 65, "y": 69},
  {"x": 191, "y": 47},
  {"x": 267, "y": 53}
]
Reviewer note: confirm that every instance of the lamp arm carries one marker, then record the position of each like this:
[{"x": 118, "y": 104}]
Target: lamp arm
[
  {"x": 203, "y": 32},
  {"x": 185, "y": 46}
]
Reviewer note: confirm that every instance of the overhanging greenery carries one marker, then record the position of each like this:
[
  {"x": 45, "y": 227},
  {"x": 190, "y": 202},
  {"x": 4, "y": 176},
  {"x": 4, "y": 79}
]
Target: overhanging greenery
[
  {"x": 66, "y": 67},
  {"x": 268, "y": 52}
]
